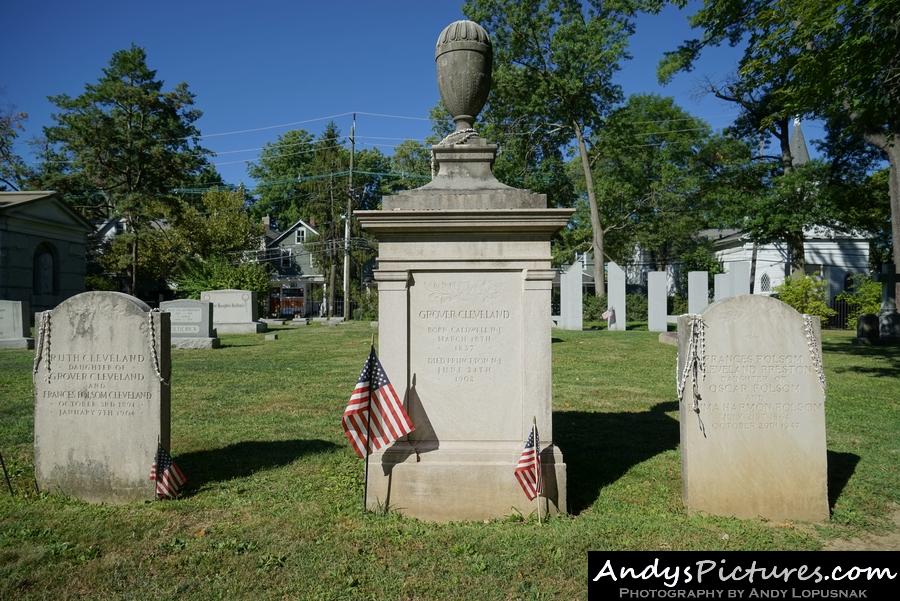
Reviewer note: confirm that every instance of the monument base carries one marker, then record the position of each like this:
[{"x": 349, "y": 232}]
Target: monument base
[
  {"x": 27, "y": 343},
  {"x": 195, "y": 343},
  {"x": 460, "y": 483},
  {"x": 253, "y": 327}
]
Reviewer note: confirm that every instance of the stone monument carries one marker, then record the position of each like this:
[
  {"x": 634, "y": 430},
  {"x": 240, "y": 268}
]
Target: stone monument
[
  {"x": 571, "y": 298},
  {"x": 657, "y": 301},
  {"x": 234, "y": 311},
  {"x": 722, "y": 287},
  {"x": 615, "y": 297},
  {"x": 101, "y": 402},
  {"x": 698, "y": 291},
  {"x": 740, "y": 278},
  {"x": 14, "y": 318},
  {"x": 464, "y": 280},
  {"x": 888, "y": 317},
  {"x": 192, "y": 323},
  {"x": 752, "y": 411}
]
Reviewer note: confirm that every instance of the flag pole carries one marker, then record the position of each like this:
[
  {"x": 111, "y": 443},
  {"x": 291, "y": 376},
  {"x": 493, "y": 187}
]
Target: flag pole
[
  {"x": 537, "y": 466},
  {"x": 368, "y": 425}
]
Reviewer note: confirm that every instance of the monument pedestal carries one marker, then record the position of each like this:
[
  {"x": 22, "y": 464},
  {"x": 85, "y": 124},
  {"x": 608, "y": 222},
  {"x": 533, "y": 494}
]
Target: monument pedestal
[{"x": 464, "y": 335}]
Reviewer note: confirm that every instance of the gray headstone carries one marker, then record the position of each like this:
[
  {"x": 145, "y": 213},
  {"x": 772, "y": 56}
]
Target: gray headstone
[
  {"x": 100, "y": 407},
  {"x": 615, "y": 296},
  {"x": 192, "y": 323},
  {"x": 698, "y": 291},
  {"x": 657, "y": 298},
  {"x": 740, "y": 278},
  {"x": 234, "y": 311},
  {"x": 14, "y": 325},
  {"x": 754, "y": 446},
  {"x": 867, "y": 329},
  {"x": 722, "y": 286},
  {"x": 570, "y": 298},
  {"x": 888, "y": 317}
]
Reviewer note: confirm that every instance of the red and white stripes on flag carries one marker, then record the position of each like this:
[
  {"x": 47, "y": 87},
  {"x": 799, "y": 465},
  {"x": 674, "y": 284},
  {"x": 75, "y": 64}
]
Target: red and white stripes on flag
[
  {"x": 169, "y": 478},
  {"x": 528, "y": 470},
  {"x": 388, "y": 420}
]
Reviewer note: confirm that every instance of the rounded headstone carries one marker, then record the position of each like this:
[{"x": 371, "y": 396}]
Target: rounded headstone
[{"x": 867, "y": 329}]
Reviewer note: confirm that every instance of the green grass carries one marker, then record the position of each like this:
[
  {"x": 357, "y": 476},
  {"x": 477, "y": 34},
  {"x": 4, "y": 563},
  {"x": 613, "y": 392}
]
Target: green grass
[{"x": 273, "y": 506}]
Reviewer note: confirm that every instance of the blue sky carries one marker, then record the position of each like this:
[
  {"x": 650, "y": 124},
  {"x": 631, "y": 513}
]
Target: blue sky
[{"x": 256, "y": 65}]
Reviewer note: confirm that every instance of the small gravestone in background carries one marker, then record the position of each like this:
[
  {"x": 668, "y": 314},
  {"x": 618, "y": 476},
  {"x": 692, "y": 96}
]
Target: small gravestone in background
[
  {"x": 722, "y": 287},
  {"x": 740, "y": 278},
  {"x": 752, "y": 411},
  {"x": 698, "y": 291},
  {"x": 888, "y": 318},
  {"x": 570, "y": 298},
  {"x": 192, "y": 324},
  {"x": 615, "y": 296},
  {"x": 101, "y": 403},
  {"x": 656, "y": 301},
  {"x": 14, "y": 325},
  {"x": 234, "y": 311}
]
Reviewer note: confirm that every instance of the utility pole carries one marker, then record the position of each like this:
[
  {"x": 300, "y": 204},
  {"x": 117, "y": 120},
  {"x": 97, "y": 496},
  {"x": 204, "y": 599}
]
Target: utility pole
[{"x": 347, "y": 223}]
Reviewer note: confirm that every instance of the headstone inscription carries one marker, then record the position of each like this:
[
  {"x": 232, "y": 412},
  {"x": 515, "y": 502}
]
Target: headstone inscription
[
  {"x": 752, "y": 411},
  {"x": 192, "y": 323},
  {"x": 698, "y": 291},
  {"x": 615, "y": 296},
  {"x": 657, "y": 298},
  {"x": 464, "y": 284},
  {"x": 101, "y": 404},
  {"x": 570, "y": 297},
  {"x": 234, "y": 311},
  {"x": 722, "y": 287},
  {"x": 14, "y": 318}
]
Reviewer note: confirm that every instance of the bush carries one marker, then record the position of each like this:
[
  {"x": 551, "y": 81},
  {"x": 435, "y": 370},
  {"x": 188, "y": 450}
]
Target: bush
[
  {"x": 806, "y": 294},
  {"x": 636, "y": 307},
  {"x": 366, "y": 304},
  {"x": 592, "y": 307},
  {"x": 863, "y": 297},
  {"x": 678, "y": 305},
  {"x": 217, "y": 274}
]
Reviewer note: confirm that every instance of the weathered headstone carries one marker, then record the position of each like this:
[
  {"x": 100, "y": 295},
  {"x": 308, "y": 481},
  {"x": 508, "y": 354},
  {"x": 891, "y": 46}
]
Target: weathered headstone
[
  {"x": 698, "y": 291},
  {"x": 234, "y": 311},
  {"x": 867, "y": 329},
  {"x": 740, "y": 278},
  {"x": 464, "y": 283},
  {"x": 888, "y": 317},
  {"x": 752, "y": 411},
  {"x": 657, "y": 299},
  {"x": 192, "y": 323},
  {"x": 14, "y": 318},
  {"x": 722, "y": 287},
  {"x": 615, "y": 296},
  {"x": 101, "y": 402},
  {"x": 570, "y": 298}
]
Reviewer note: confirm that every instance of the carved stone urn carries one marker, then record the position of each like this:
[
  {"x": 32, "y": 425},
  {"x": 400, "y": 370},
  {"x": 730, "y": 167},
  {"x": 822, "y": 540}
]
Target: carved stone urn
[{"x": 464, "y": 55}]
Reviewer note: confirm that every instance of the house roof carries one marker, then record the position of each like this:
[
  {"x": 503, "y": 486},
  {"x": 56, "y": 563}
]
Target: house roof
[
  {"x": 293, "y": 228},
  {"x": 10, "y": 200}
]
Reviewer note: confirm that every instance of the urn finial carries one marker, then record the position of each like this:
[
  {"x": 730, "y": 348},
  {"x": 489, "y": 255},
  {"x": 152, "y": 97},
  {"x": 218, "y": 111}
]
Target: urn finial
[{"x": 463, "y": 55}]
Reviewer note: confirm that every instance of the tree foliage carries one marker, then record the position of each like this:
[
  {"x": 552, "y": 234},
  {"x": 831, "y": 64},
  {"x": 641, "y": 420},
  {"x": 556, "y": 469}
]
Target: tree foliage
[{"x": 13, "y": 170}]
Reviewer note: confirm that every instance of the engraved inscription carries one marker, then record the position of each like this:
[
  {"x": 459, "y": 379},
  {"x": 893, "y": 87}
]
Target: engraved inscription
[
  {"x": 759, "y": 389},
  {"x": 185, "y": 315},
  {"x": 80, "y": 384}
]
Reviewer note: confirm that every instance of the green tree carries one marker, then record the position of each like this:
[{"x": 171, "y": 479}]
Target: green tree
[
  {"x": 220, "y": 227},
  {"x": 554, "y": 61},
  {"x": 127, "y": 141},
  {"x": 13, "y": 170},
  {"x": 279, "y": 172}
]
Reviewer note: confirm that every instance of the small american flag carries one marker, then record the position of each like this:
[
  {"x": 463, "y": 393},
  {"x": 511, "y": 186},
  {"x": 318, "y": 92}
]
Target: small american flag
[
  {"x": 528, "y": 470},
  {"x": 169, "y": 478},
  {"x": 388, "y": 420}
]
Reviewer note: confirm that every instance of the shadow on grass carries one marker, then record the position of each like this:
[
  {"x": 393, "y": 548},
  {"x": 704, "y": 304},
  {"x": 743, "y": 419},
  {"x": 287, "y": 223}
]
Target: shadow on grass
[
  {"x": 840, "y": 469},
  {"x": 599, "y": 448},
  {"x": 890, "y": 354},
  {"x": 245, "y": 458}
]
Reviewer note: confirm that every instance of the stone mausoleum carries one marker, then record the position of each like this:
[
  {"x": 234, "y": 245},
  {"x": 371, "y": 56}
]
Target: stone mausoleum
[{"x": 464, "y": 280}]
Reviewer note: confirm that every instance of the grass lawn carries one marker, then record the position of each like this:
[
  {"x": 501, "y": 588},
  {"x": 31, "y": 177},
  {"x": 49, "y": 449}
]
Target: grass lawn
[{"x": 272, "y": 509}]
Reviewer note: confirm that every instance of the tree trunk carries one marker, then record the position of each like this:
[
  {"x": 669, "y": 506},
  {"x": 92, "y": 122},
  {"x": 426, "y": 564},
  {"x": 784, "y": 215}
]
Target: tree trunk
[
  {"x": 890, "y": 145},
  {"x": 596, "y": 227}
]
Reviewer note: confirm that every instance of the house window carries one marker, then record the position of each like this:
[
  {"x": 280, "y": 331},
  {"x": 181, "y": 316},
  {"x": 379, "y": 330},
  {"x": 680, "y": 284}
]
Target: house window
[
  {"x": 301, "y": 235},
  {"x": 44, "y": 269},
  {"x": 765, "y": 284},
  {"x": 286, "y": 257}
]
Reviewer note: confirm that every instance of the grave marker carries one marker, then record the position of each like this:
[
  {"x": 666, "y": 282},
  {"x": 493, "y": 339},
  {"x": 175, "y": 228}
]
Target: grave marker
[
  {"x": 234, "y": 311},
  {"x": 657, "y": 299},
  {"x": 14, "y": 318},
  {"x": 615, "y": 296},
  {"x": 192, "y": 323}
]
